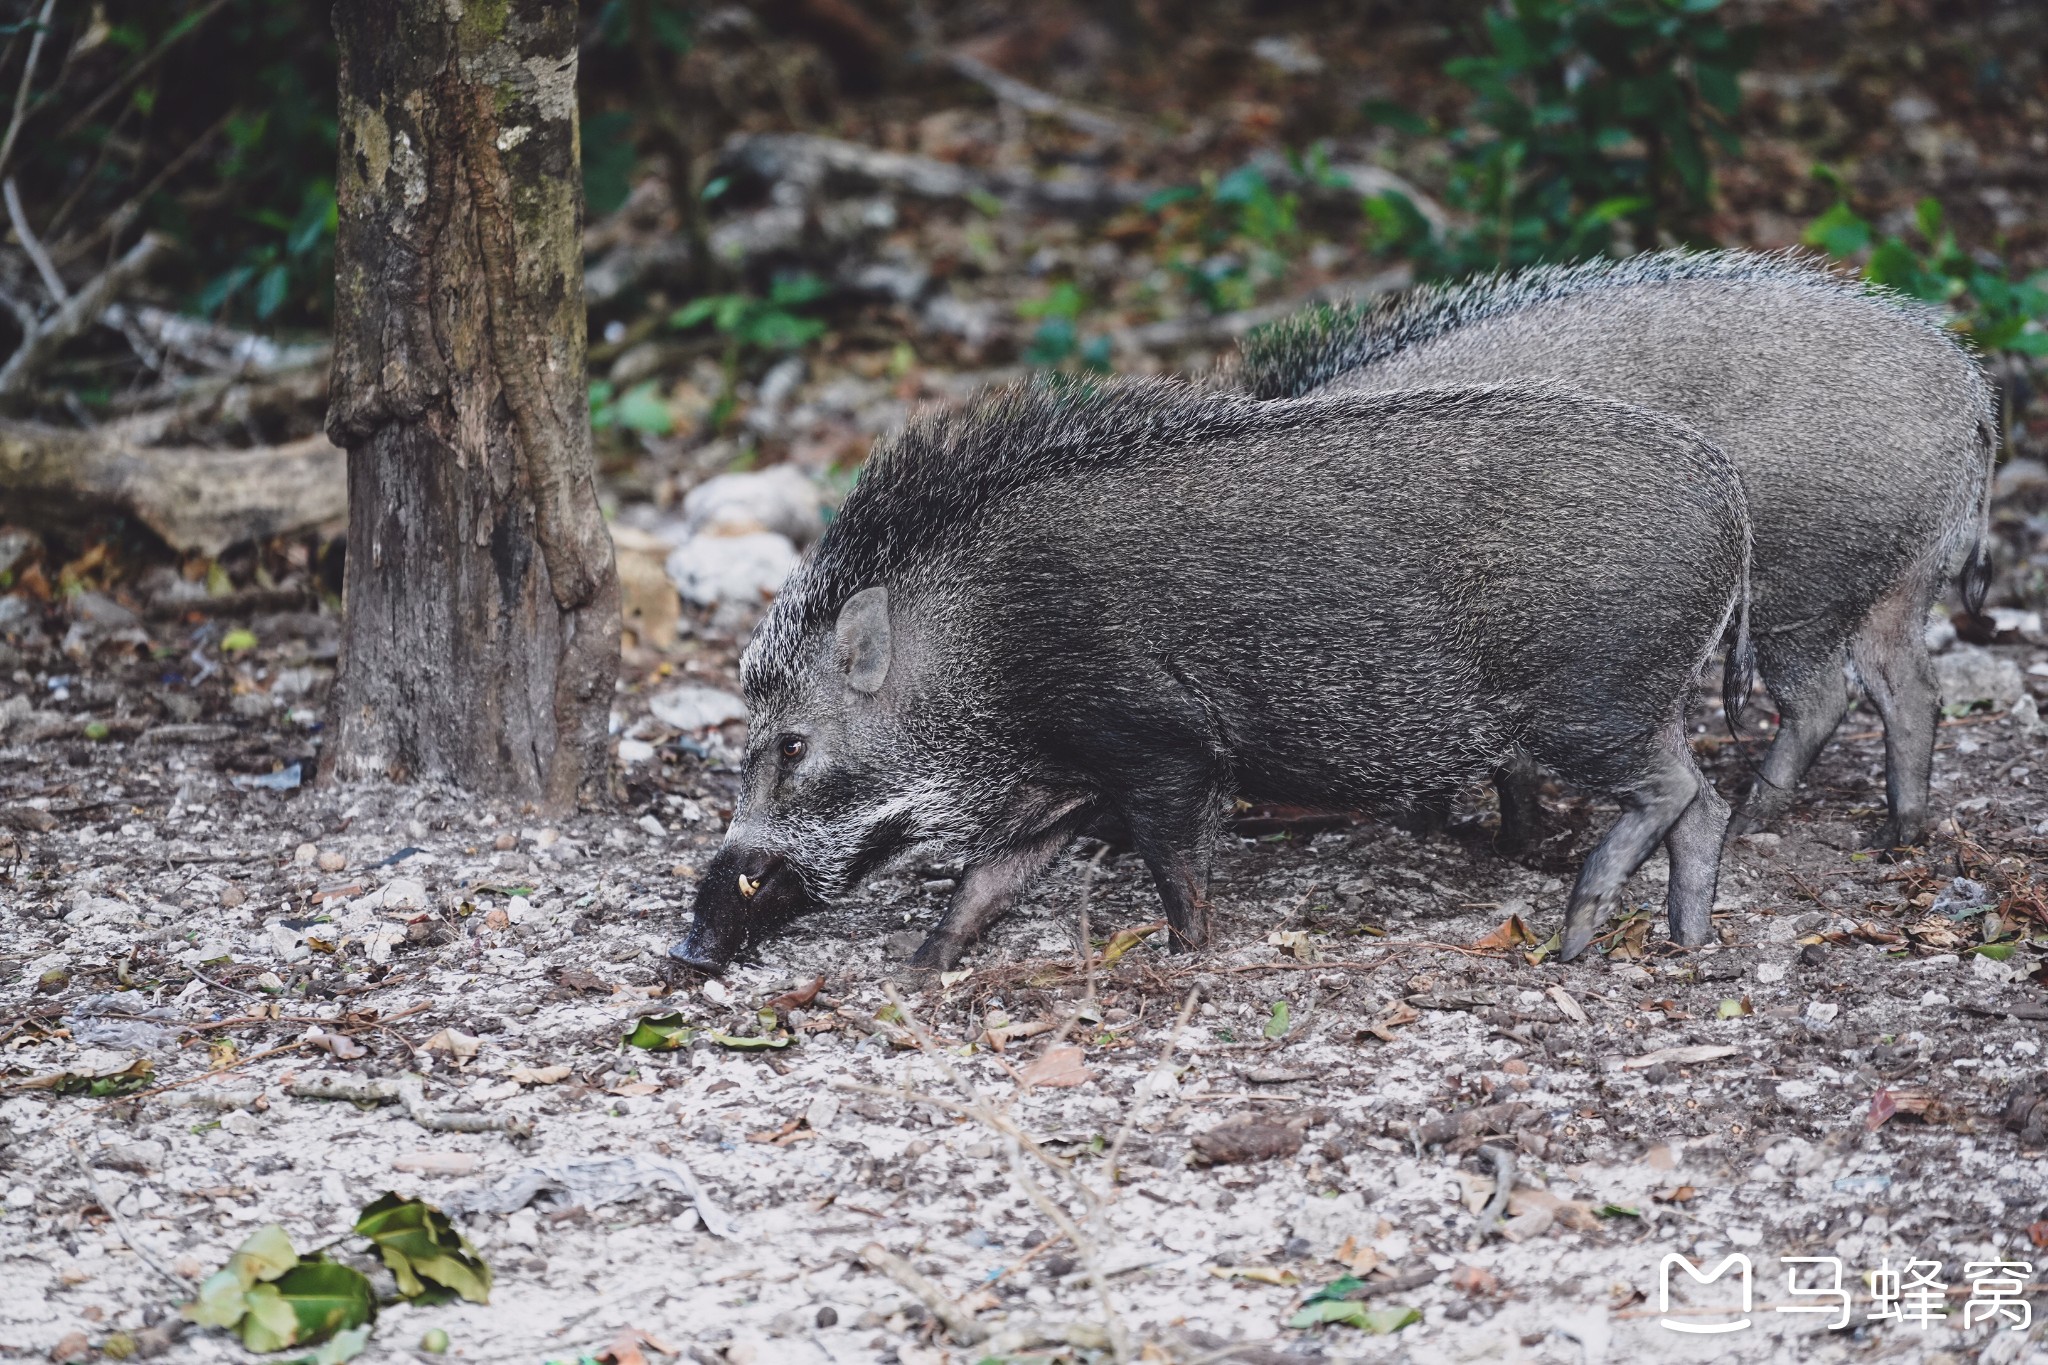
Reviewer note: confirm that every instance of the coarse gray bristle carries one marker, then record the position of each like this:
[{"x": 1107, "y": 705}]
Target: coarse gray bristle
[
  {"x": 927, "y": 489},
  {"x": 1301, "y": 353}
]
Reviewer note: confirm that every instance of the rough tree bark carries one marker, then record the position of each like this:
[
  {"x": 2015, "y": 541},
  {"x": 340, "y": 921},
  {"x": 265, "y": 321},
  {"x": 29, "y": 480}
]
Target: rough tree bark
[{"x": 482, "y": 631}]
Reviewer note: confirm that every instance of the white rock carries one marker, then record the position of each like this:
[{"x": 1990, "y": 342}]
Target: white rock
[
  {"x": 403, "y": 893},
  {"x": 1770, "y": 973},
  {"x": 781, "y": 498},
  {"x": 745, "y": 570},
  {"x": 1969, "y": 675},
  {"x": 693, "y": 706},
  {"x": 651, "y": 826},
  {"x": 824, "y": 1109},
  {"x": 1990, "y": 970},
  {"x": 635, "y": 751},
  {"x": 1822, "y": 1012}
]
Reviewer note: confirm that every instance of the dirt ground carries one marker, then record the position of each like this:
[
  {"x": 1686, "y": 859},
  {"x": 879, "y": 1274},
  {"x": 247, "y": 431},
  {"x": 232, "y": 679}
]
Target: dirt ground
[{"x": 1833, "y": 1078}]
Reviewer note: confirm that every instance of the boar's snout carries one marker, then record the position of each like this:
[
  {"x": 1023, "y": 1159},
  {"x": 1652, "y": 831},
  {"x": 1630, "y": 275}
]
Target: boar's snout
[{"x": 744, "y": 893}]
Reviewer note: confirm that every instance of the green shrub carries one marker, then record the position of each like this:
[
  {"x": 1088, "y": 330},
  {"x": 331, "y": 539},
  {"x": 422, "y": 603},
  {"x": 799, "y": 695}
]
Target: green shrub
[
  {"x": 2001, "y": 314},
  {"x": 1586, "y": 117}
]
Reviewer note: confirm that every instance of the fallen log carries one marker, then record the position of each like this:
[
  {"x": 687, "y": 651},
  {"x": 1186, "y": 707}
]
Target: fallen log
[{"x": 200, "y": 500}]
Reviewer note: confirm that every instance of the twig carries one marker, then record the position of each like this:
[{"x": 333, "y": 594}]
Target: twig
[
  {"x": 1010, "y": 90},
  {"x": 959, "y": 1323},
  {"x": 1503, "y": 1160},
  {"x": 1027, "y": 1258},
  {"x": 409, "y": 1090},
  {"x": 1017, "y": 1142},
  {"x": 72, "y": 248},
  {"x": 76, "y": 314},
  {"x": 1163, "y": 1066},
  {"x": 28, "y": 75},
  {"x": 177, "y": 31},
  {"x": 120, "y": 1223},
  {"x": 52, "y": 281}
]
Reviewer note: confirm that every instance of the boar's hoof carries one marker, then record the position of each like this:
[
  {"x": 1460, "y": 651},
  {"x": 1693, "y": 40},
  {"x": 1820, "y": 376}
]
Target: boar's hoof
[
  {"x": 1896, "y": 835},
  {"x": 940, "y": 951},
  {"x": 683, "y": 957}
]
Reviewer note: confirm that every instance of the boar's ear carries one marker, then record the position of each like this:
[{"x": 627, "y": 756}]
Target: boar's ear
[{"x": 863, "y": 636}]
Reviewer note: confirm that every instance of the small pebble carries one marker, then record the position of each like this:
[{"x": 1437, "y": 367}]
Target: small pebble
[
  {"x": 828, "y": 1316},
  {"x": 497, "y": 919},
  {"x": 505, "y": 842},
  {"x": 233, "y": 897},
  {"x": 332, "y": 861},
  {"x": 305, "y": 855}
]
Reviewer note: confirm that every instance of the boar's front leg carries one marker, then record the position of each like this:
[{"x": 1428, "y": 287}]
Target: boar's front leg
[
  {"x": 1649, "y": 810},
  {"x": 1521, "y": 811},
  {"x": 984, "y": 893},
  {"x": 1173, "y": 827}
]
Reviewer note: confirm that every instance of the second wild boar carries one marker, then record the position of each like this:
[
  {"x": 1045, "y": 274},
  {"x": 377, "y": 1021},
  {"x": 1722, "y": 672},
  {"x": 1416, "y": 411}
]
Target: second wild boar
[{"x": 1138, "y": 600}]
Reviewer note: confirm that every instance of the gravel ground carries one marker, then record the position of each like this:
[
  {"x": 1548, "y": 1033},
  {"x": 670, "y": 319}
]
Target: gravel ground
[{"x": 1653, "y": 1100}]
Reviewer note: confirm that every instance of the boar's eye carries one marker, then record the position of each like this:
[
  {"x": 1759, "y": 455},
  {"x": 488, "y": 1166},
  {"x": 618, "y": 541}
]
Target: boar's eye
[{"x": 793, "y": 748}]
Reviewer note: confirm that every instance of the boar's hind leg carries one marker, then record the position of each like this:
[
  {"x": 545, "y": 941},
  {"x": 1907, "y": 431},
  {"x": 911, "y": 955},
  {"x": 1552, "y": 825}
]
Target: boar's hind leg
[
  {"x": 1808, "y": 712},
  {"x": 1521, "y": 813},
  {"x": 1694, "y": 847},
  {"x": 1649, "y": 810},
  {"x": 1891, "y": 660},
  {"x": 984, "y": 893},
  {"x": 1173, "y": 827}
]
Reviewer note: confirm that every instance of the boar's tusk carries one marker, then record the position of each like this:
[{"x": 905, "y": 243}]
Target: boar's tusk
[{"x": 748, "y": 886}]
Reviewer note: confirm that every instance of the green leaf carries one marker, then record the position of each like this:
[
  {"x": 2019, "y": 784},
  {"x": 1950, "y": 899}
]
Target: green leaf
[
  {"x": 695, "y": 311},
  {"x": 237, "y": 641},
  {"x": 221, "y": 1302},
  {"x": 96, "y": 730},
  {"x": 342, "y": 1346},
  {"x": 1337, "y": 1289},
  {"x": 308, "y": 1303},
  {"x": 641, "y": 408},
  {"x": 1379, "y": 1321},
  {"x": 1618, "y": 1211},
  {"x": 1277, "y": 1021},
  {"x": 1997, "y": 952},
  {"x": 271, "y": 289},
  {"x": 757, "y": 1043},
  {"x": 661, "y": 1033},
  {"x": 421, "y": 1247},
  {"x": 1839, "y": 232}
]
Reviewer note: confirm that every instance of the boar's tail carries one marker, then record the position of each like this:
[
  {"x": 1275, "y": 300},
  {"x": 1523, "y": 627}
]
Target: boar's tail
[
  {"x": 1976, "y": 579},
  {"x": 1738, "y": 673}
]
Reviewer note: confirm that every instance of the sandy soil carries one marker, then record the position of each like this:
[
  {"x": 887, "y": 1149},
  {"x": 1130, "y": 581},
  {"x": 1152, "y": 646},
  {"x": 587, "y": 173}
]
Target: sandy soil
[{"x": 1654, "y": 1100}]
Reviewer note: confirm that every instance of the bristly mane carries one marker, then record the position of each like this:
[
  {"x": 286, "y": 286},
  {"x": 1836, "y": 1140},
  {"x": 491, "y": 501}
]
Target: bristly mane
[
  {"x": 928, "y": 490},
  {"x": 1299, "y": 354}
]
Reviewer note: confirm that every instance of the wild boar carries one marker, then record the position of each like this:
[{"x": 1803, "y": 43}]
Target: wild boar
[
  {"x": 1139, "y": 599},
  {"x": 1863, "y": 429}
]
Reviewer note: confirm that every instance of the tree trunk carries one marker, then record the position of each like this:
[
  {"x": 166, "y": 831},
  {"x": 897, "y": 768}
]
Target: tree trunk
[{"x": 481, "y": 641}]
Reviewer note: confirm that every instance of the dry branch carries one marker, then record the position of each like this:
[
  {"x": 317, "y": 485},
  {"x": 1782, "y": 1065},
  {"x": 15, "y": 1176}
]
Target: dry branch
[
  {"x": 815, "y": 164},
  {"x": 199, "y": 500},
  {"x": 74, "y": 315}
]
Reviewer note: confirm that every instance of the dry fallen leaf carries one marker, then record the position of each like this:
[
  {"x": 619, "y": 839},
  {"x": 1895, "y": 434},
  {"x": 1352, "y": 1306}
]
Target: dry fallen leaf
[
  {"x": 1059, "y": 1066},
  {"x": 340, "y": 1045},
  {"x": 798, "y": 998},
  {"x": 625, "y": 1348},
  {"x": 1293, "y": 942},
  {"x": 1684, "y": 1194},
  {"x": 577, "y": 979},
  {"x": 1511, "y": 934},
  {"x": 1572, "y": 1009},
  {"x": 1259, "y": 1274},
  {"x": 1357, "y": 1257},
  {"x": 457, "y": 1044},
  {"x": 1474, "y": 1281},
  {"x": 1573, "y": 1213},
  {"x": 1236, "y": 1143},
  {"x": 545, "y": 1075}
]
